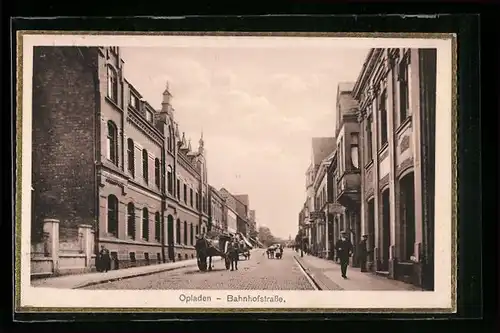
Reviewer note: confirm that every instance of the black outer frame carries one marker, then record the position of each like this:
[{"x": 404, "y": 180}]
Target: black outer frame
[{"x": 469, "y": 213}]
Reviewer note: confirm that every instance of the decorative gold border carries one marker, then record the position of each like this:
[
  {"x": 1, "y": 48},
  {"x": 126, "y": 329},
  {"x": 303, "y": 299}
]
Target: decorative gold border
[{"x": 19, "y": 90}]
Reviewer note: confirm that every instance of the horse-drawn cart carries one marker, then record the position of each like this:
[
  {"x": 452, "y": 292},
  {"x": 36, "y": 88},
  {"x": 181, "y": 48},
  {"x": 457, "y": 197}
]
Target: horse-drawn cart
[{"x": 208, "y": 248}]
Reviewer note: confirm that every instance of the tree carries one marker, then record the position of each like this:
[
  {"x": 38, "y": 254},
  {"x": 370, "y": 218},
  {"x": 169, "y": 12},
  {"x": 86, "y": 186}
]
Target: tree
[{"x": 265, "y": 236}]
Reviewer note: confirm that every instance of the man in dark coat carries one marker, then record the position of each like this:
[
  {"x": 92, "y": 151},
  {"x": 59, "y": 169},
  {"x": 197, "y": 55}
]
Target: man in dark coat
[
  {"x": 233, "y": 253},
  {"x": 363, "y": 253},
  {"x": 104, "y": 259},
  {"x": 344, "y": 251}
]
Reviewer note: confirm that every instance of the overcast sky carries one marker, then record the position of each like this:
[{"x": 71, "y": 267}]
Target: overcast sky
[{"x": 258, "y": 109}]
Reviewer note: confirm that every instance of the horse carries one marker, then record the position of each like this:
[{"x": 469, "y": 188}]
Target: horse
[{"x": 206, "y": 250}]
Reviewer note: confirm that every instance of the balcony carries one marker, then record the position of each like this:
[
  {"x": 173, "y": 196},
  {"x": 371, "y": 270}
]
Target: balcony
[{"x": 349, "y": 189}]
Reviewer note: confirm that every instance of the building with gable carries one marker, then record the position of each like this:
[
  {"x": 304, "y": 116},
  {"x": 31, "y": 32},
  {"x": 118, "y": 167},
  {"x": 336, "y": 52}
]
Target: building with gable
[{"x": 125, "y": 173}]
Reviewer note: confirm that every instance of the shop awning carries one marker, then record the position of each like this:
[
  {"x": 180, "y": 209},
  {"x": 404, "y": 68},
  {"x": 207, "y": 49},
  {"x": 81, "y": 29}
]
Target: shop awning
[{"x": 247, "y": 242}]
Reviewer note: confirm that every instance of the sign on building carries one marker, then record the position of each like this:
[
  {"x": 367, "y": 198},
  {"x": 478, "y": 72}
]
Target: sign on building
[
  {"x": 335, "y": 208},
  {"x": 317, "y": 215}
]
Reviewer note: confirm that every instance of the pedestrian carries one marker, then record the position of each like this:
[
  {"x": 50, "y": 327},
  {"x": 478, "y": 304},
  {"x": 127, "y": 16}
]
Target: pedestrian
[
  {"x": 104, "y": 259},
  {"x": 233, "y": 254},
  {"x": 344, "y": 252},
  {"x": 363, "y": 253}
]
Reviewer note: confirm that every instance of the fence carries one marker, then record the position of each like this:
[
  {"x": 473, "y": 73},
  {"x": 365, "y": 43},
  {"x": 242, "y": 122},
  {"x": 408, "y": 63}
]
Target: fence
[{"x": 63, "y": 250}]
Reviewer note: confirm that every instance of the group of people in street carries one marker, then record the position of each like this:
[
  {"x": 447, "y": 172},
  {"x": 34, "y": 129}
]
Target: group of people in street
[
  {"x": 344, "y": 250},
  {"x": 274, "y": 252}
]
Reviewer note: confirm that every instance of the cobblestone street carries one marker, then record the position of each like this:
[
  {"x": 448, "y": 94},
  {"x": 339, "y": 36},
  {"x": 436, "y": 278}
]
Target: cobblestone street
[{"x": 258, "y": 273}]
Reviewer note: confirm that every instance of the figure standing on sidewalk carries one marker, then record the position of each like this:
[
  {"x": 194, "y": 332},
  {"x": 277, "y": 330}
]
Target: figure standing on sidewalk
[
  {"x": 233, "y": 253},
  {"x": 363, "y": 253},
  {"x": 104, "y": 259},
  {"x": 344, "y": 252}
]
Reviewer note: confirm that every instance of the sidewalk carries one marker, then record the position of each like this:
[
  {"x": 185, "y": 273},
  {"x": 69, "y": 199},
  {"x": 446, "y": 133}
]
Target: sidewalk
[
  {"x": 326, "y": 274},
  {"x": 84, "y": 280}
]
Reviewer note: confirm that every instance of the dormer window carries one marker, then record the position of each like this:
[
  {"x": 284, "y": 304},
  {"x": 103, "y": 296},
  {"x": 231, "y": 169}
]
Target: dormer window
[
  {"x": 149, "y": 116},
  {"x": 134, "y": 101}
]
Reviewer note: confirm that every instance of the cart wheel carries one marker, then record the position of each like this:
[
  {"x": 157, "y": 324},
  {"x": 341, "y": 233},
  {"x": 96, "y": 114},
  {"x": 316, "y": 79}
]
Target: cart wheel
[{"x": 227, "y": 262}]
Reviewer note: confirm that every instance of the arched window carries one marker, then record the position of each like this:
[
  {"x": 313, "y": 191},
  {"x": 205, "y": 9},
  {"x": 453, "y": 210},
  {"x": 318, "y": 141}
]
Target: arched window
[
  {"x": 178, "y": 231},
  {"x": 157, "y": 172},
  {"x": 112, "y": 215},
  {"x": 170, "y": 180},
  {"x": 145, "y": 224},
  {"x": 145, "y": 165},
  {"x": 112, "y": 143},
  {"x": 185, "y": 233},
  {"x": 131, "y": 220},
  {"x": 191, "y": 234},
  {"x": 157, "y": 227},
  {"x": 131, "y": 156},
  {"x": 172, "y": 140},
  {"x": 169, "y": 142},
  {"x": 112, "y": 85}
]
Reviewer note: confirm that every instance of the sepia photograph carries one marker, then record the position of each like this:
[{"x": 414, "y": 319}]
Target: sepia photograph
[{"x": 236, "y": 171}]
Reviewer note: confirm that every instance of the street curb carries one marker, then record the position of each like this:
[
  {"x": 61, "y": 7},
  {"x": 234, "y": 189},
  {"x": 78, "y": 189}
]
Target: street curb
[
  {"x": 166, "y": 269},
  {"x": 318, "y": 277}
]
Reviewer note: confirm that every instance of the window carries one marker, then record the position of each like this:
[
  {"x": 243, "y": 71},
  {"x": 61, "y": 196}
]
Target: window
[
  {"x": 339, "y": 160},
  {"x": 185, "y": 233},
  {"x": 204, "y": 204},
  {"x": 178, "y": 231},
  {"x": 145, "y": 165},
  {"x": 157, "y": 172},
  {"x": 197, "y": 230},
  {"x": 134, "y": 101},
  {"x": 369, "y": 139},
  {"x": 112, "y": 85},
  {"x": 149, "y": 116},
  {"x": 131, "y": 220},
  {"x": 197, "y": 201},
  {"x": 112, "y": 215},
  {"x": 185, "y": 193},
  {"x": 178, "y": 189},
  {"x": 145, "y": 224},
  {"x": 169, "y": 139},
  {"x": 112, "y": 143},
  {"x": 170, "y": 179},
  {"x": 157, "y": 227},
  {"x": 191, "y": 238},
  {"x": 403, "y": 80},
  {"x": 383, "y": 117},
  {"x": 191, "y": 197},
  {"x": 354, "y": 150},
  {"x": 131, "y": 156}
]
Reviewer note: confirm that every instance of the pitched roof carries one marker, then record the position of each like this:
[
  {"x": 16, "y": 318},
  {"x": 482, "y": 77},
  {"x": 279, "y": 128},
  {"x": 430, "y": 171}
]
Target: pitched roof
[{"x": 321, "y": 148}]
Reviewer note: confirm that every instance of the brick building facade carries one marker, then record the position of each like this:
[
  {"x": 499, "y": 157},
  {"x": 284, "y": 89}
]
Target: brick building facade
[{"x": 104, "y": 157}]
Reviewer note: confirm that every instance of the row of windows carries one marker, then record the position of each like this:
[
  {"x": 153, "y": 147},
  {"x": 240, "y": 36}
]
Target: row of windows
[
  {"x": 400, "y": 77},
  {"x": 112, "y": 93},
  {"x": 113, "y": 224},
  {"x": 193, "y": 230},
  {"x": 112, "y": 155},
  {"x": 189, "y": 197},
  {"x": 113, "y": 221}
]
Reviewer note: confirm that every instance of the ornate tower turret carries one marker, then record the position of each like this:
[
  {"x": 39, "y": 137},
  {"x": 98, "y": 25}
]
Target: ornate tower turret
[
  {"x": 166, "y": 105},
  {"x": 201, "y": 146}
]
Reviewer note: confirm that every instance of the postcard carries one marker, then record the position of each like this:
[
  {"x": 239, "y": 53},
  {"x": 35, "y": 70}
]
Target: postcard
[{"x": 179, "y": 171}]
